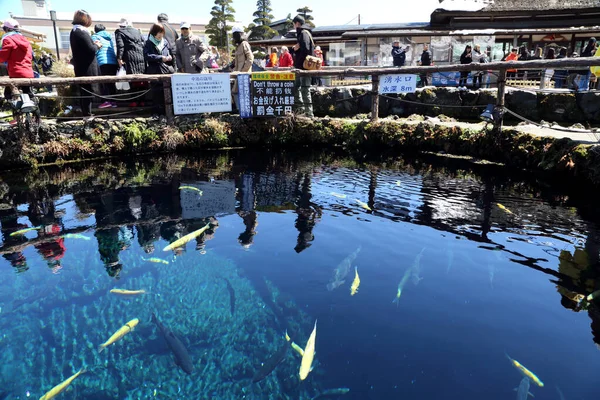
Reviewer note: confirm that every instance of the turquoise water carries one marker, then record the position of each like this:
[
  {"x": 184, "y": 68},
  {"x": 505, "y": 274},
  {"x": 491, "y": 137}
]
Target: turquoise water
[{"x": 459, "y": 267}]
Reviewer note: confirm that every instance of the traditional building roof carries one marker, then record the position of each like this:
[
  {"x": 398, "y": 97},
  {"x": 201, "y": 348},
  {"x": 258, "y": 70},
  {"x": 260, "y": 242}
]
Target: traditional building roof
[
  {"x": 531, "y": 5},
  {"x": 516, "y": 14}
]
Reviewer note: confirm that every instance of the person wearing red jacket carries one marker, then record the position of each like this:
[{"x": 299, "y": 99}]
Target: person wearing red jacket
[
  {"x": 16, "y": 50},
  {"x": 286, "y": 58}
]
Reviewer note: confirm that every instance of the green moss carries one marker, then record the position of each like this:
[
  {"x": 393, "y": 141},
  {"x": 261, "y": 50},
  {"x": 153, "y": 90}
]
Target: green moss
[{"x": 136, "y": 136}]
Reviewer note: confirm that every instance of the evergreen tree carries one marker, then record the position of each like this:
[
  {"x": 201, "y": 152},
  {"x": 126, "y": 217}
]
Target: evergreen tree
[
  {"x": 288, "y": 26},
  {"x": 260, "y": 29},
  {"x": 221, "y": 12},
  {"x": 305, "y": 12}
]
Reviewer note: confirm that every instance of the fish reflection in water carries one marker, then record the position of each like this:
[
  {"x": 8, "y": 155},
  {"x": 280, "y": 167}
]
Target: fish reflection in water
[{"x": 341, "y": 271}]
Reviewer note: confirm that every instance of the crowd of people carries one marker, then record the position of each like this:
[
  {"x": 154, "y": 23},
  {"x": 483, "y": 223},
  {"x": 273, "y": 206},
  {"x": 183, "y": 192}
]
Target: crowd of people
[{"x": 163, "y": 51}]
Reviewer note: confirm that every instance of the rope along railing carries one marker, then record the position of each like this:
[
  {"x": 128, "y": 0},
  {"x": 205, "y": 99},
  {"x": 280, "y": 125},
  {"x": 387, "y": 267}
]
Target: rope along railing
[{"x": 375, "y": 73}]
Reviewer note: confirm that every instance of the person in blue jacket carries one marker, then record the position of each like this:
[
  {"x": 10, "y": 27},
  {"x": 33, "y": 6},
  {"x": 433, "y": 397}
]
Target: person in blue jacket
[{"x": 107, "y": 61}]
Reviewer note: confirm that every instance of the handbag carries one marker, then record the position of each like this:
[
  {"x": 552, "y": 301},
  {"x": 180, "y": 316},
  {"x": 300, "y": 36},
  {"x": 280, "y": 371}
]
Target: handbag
[{"x": 312, "y": 63}]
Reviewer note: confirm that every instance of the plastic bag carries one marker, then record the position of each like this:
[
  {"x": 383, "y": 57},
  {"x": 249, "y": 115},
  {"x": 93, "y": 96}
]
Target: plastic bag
[{"x": 122, "y": 85}]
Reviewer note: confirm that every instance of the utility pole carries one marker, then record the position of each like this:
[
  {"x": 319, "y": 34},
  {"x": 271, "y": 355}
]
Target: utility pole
[{"x": 359, "y": 19}]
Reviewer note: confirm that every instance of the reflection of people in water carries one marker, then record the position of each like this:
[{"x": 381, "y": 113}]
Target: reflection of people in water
[
  {"x": 308, "y": 215},
  {"x": 10, "y": 224},
  {"x": 17, "y": 260},
  {"x": 246, "y": 238},
  {"x": 147, "y": 234},
  {"x": 209, "y": 234},
  {"x": 52, "y": 249},
  {"x": 110, "y": 243}
]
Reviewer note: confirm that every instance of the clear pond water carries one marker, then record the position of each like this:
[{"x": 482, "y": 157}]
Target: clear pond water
[{"x": 459, "y": 268}]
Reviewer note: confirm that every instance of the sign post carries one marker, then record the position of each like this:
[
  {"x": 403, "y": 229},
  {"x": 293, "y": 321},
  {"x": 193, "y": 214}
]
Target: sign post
[
  {"x": 244, "y": 101},
  {"x": 398, "y": 83},
  {"x": 201, "y": 93}
]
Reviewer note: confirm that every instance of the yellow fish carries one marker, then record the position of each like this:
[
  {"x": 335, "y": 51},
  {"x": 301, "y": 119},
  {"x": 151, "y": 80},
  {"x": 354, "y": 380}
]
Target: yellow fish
[
  {"x": 58, "y": 389},
  {"x": 339, "y": 196},
  {"x": 125, "y": 292},
  {"x": 24, "y": 231},
  {"x": 191, "y": 188},
  {"x": 124, "y": 330},
  {"x": 76, "y": 236},
  {"x": 363, "y": 205},
  {"x": 355, "y": 283},
  {"x": 594, "y": 295},
  {"x": 500, "y": 206},
  {"x": 403, "y": 281},
  {"x": 156, "y": 260},
  {"x": 181, "y": 241},
  {"x": 309, "y": 354},
  {"x": 525, "y": 372},
  {"x": 294, "y": 345}
]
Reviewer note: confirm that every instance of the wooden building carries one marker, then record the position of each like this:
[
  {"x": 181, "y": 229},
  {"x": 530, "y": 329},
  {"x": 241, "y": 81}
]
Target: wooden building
[{"x": 495, "y": 25}]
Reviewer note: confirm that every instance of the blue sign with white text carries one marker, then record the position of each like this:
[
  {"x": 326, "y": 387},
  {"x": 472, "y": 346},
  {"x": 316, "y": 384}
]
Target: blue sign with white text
[{"x": 244, "y": 102}]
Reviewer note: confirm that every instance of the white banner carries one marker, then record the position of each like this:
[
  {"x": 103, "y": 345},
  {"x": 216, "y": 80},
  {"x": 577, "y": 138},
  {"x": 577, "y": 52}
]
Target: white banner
[
  {"x": 398, "y": 83},
  {"x": 201, "y": 93}
]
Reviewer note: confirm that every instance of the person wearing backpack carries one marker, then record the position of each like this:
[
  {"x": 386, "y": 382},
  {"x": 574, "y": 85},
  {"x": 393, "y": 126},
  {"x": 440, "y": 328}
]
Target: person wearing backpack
[
  {"x": 303, "y": 48},
  {"x": 398, "y": 54}
]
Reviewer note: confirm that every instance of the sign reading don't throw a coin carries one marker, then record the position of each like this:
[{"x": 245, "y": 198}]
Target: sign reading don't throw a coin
[{"x": 272, "y": 94}]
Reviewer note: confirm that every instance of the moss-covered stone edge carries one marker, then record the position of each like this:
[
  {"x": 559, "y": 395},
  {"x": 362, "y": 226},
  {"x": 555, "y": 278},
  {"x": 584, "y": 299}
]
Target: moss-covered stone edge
[{"x": 58, "y": 143}]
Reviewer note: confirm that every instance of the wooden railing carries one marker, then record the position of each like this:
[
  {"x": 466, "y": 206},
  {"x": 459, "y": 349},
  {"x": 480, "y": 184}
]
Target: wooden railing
[{"x": 375, "y": 73}]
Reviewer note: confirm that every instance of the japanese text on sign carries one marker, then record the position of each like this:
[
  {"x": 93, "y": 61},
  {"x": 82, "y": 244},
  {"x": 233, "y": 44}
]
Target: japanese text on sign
[
  {"x": 272, "y": 94},
  {"x": 200, "y": 93},
  {"x": 401, "y": 83},
  {"x": 244, "y": 102},
  {"x": 273, "y": 76}
]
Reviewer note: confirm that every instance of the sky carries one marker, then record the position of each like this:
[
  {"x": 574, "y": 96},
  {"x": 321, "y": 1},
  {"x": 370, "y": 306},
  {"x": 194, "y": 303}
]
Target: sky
[{"x": 325, "y": 12}]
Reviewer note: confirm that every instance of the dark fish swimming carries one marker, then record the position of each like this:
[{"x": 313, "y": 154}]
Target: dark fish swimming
[
  {"x": 331, "y": 393},
  {"x": 182, "y": 357},
  {"x": 269, "y": 365},
  {"x": 231, "y": 295}
]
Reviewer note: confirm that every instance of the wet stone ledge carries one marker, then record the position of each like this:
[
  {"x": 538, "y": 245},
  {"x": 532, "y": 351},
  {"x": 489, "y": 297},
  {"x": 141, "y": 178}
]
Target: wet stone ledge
[{"x": 58, "y": 142}]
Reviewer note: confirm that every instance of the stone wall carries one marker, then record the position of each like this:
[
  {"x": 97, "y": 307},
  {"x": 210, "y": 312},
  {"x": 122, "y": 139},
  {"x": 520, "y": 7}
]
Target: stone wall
[
  {"x": 568, "y": 107},
  {"x": 60, "y": 142}
]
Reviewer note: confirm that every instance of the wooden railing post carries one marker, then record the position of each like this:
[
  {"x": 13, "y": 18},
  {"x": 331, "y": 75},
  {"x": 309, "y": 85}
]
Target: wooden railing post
[
  {"x": 375, "y": 98},
  {"x": 168, "y": 101},
  {"x": 500, "y": 101}
]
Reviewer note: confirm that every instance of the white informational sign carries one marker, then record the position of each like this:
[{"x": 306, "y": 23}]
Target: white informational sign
[
  {"x": 201, "y": 93},
  {"x": 398, "y": 83},
  {"x": 217, "y": 198}
]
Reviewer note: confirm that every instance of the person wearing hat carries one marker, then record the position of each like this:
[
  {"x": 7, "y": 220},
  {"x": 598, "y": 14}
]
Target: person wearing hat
[
  {"x": 242, "y": 57},
  {"x": 130, "y": 48},
  {"x": 170, "y": 34},
  {"x": 17, "y": 52},
  {"x": 190, "y": 51}
]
